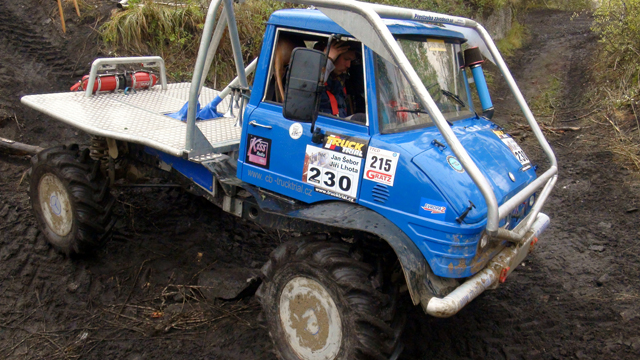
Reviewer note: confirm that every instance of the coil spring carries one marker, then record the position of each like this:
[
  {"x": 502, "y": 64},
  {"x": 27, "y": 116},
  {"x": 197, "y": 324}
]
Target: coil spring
[{"x": 99, "y": 151}]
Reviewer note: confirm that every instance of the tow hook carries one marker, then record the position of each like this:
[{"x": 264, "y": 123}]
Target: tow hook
[
  {"x": 533, "y": 244},
  {"x": 504, "y": 273}
]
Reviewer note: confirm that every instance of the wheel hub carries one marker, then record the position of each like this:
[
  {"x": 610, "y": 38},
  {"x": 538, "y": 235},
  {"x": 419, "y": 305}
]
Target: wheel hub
[
  {"x": 310, "y": 319},
  {"x": 55, "y": 204}
]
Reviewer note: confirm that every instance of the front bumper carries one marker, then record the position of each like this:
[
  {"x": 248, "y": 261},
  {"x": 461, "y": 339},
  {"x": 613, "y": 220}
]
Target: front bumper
[{"x": 491, "y": 276}]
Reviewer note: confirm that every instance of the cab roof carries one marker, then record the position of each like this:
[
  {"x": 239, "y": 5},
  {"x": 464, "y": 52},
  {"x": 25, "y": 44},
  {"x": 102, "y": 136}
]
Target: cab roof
[{"x": 315, "y": 20}]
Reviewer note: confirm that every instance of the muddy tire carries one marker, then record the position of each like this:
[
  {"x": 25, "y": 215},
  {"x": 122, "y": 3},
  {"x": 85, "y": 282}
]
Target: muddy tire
[
  {"x": 70, "y": 199},
  {"x": 319, "y": 302}
]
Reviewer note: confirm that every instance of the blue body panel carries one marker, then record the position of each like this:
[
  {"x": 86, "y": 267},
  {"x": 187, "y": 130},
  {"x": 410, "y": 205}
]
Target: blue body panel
[{"x": 429, "y": 191}]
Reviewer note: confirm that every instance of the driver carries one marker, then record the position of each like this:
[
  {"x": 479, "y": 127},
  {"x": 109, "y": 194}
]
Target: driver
[{"x": 334, "y": 99}]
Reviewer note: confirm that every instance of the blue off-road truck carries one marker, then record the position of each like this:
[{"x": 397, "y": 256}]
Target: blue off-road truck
[{"x": 403, "y": 186}]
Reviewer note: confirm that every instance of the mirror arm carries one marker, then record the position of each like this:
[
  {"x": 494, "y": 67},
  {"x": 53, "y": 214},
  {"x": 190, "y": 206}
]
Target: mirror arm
[{"x": 323, "y": 80}]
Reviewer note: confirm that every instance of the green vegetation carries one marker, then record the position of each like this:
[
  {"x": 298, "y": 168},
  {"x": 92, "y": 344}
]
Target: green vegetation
[
  {"x": 571, "y": 5},
  {"x": 514, "y": 39},
  {"x": 617, "y": 72},
  {"x": 149, "y": 27}
]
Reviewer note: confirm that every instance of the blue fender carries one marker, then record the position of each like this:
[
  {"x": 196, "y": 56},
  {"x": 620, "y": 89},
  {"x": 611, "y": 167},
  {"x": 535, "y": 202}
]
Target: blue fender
[{"x": 422, "y": 283}]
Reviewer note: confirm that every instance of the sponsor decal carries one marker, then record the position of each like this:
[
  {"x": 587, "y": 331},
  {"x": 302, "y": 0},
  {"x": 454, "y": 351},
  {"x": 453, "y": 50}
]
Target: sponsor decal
[
  {"x": 381, "y": 166},
  {"x": 258, "y": 151},
  {"x": 295, "y": 131},
  {"x": 455, "y": 164},
  {"x": 436, "y": 45},
  {"x": 432, "y": 209},
  {"x": 345, "y": 144},
  {"x": 437, "y": 18}
]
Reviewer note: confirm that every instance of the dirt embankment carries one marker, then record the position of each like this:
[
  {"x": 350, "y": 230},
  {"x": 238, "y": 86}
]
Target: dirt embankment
[{"x": 576, "y": 297}]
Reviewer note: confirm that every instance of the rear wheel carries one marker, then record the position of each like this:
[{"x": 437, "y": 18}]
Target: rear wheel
[
  {"x": 70, "y": 199},
  {"x": 320, "y": 303}
]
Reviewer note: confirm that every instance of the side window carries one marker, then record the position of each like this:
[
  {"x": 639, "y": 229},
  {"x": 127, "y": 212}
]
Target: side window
[
  {"x": 286, "y": 41},
  {"x": 345, "y": 87}
]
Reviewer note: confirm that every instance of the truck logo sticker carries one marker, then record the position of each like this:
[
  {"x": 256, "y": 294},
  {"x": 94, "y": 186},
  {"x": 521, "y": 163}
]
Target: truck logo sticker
[
  {"x": 332, "y": 173},
  {"x": 345, "y": 144},
  {"x": 295, "y": 131},
  {"x": 432, "y": 209},
  {"x": 381, "y": 166},
  {"x": 455, "y": 164},
  {"x": 258, "y": 151}
]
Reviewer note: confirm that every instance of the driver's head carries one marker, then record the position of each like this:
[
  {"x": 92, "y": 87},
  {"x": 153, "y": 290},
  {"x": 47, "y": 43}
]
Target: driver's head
[{"x": 343, "y": 62}]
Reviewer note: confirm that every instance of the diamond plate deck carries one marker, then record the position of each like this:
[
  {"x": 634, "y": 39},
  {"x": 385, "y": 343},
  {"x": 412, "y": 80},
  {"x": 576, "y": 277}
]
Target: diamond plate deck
[{"x": 139, "y": 117}]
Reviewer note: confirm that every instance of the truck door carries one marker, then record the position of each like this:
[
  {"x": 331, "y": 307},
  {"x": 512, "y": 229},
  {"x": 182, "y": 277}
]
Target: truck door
[{"x": 278, "y": 154}]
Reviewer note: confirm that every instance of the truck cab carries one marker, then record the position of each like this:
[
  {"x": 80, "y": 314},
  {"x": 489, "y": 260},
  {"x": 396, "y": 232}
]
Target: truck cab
[{"x": 387, "y": 144}]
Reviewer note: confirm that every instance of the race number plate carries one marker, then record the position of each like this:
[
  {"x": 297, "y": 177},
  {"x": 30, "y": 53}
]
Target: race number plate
[
  {"x": 334, "y": 169},
  {"x": 514, "y": 147},
  {"x": 331, "y": 173},
  {"x": 381, "y": 166}
]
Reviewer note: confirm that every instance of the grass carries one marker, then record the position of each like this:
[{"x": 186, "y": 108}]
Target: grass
[
  {"x": 616, "y": 74},
  {"x": 514, "y": 40},
  {"x": 545, "y": 103},
  {"x": 146, "y": 27},
  {"x": 567, "y": 5}
]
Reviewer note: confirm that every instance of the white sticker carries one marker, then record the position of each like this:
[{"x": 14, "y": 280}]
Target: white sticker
[
  {"x": 295, "y": 131},
  {"x": 332, "y": 173},
  {"x": 514, "y": 147},
  {"x": 381, "y": 166}
]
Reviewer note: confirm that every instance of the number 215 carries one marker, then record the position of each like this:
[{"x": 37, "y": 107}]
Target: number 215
[{"x": 383, "y": 164}]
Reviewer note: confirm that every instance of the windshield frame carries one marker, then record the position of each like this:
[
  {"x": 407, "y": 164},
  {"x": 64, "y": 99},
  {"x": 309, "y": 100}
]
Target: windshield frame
[{"x": 465, "y": 96}]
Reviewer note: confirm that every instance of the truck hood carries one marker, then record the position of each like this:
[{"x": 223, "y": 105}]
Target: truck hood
[{"x": 493, "y": 157}]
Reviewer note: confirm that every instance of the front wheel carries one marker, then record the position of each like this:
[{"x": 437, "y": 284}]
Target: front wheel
[
  {"x": 70, "y": 199},
  {"x": 320, "y": 303}
]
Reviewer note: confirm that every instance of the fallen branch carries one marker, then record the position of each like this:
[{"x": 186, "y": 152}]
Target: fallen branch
[
  {"x": 17, "y": 148},
  {"x": 548, "y": 128}
]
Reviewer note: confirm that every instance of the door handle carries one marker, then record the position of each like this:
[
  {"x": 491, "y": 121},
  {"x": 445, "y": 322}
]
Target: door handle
[{"x": 254, "y": 123}]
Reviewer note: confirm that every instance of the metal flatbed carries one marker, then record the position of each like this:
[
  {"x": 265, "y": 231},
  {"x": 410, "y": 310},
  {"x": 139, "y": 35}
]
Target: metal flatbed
[{"x": 140, "y": 117}]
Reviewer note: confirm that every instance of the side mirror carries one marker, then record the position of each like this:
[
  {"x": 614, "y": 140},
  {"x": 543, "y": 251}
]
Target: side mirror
[{"x": 303, "y": 82}]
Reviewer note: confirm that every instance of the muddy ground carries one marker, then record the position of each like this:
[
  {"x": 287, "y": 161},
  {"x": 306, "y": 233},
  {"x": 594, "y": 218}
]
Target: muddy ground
[{"x": 576, "y": 296}]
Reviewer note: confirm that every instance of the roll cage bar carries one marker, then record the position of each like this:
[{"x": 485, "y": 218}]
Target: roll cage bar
[{"x": 381, "y": 40}]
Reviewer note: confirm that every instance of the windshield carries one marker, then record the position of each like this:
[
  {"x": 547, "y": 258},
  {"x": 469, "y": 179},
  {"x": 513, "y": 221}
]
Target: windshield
[{"x": 437, "y": 65}]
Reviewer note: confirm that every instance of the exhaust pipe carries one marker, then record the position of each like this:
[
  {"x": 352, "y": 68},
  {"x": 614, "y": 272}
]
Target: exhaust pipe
[{"x": 496, "y": 271}]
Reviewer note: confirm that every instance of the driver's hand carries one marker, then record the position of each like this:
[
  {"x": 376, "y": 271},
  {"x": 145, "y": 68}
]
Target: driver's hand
[{"x": 338, "y": 48}]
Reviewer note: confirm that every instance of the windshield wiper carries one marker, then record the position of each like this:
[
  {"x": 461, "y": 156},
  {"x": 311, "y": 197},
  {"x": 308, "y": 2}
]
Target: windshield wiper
[
  {"x": 453, "y": 96},
  {"x": 420, "y": 111}
]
